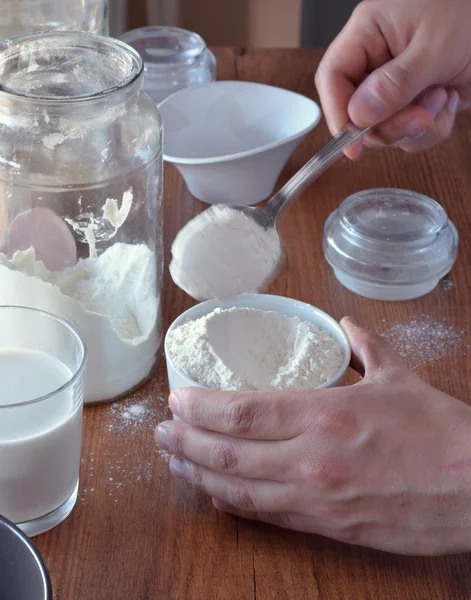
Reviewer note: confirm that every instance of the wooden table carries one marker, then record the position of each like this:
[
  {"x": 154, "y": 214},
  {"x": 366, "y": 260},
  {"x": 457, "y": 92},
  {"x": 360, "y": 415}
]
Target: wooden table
[{"x": 139, "y": 534}]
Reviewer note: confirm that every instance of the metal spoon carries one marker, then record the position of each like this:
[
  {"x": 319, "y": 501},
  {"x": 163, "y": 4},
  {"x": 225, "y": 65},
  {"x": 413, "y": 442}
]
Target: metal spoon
[{"x": 267, "y": 214}]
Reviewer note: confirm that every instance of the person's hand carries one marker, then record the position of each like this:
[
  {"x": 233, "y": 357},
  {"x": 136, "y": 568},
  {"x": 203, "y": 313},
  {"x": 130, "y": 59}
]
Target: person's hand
[
  {"x": 406, "y": 63},
  {"x": 385, "y": 463}
]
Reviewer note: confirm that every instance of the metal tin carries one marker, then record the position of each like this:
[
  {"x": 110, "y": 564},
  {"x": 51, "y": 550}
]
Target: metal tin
[{"x": 23, "y": 573}]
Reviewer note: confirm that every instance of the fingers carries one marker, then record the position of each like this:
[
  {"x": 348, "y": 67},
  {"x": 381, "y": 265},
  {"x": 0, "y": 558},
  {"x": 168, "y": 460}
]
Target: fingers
[
  {"x": 293, "y": 521},
  {"x": 392, "y": 87},
  {"x": 421, "y": 126},
  {"x": 252, "y": 459},
  {"x": 408, "y": 125},
  {"x": 344, "y": 532},
  {"x": 411, "y": 123},
  {"x": 359, "y": 48},
  {"x": 372, "y": 356},
  {"x": 245, "y": 494},
  {"x": 252, "y": 415},
  {"x": 443, "y": 126}
]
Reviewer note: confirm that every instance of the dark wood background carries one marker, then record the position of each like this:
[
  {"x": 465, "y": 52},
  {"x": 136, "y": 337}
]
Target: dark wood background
[{"x": 137, "y": 533}]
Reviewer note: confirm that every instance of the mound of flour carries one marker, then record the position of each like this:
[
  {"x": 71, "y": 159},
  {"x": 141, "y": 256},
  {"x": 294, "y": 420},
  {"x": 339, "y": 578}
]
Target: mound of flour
[
  {"x": 246, "y": 349},
  {"x": 222, "y": 253}
]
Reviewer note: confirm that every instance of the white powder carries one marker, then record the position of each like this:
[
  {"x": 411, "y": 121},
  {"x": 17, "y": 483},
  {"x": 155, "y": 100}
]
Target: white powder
[
  {"x": 248, "y": 349},
  {"x": 52, "y": 140},
  {"x": 222, "y": 252},
  {"x": 422, "y": 340},
  {"x": 111, "y": 300}
]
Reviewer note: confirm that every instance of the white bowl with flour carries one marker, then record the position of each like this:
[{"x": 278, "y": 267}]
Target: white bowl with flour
[{"x": 256, "y": 342}]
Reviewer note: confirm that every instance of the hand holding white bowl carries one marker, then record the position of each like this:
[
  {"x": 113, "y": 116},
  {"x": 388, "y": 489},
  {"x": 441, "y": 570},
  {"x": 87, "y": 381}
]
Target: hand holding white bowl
[{"x": 383, "y": 463}]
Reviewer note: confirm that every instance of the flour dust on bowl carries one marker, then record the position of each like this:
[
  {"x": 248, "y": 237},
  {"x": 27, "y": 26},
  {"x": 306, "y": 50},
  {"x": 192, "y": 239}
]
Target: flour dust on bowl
[
  {"x": 231, "y": 139},
  {"x": 256, "y": 342},
  {"x": 390, "y": 244},
  {"x": 81, "y": 183},
  {"x": 42, "y": 369}
]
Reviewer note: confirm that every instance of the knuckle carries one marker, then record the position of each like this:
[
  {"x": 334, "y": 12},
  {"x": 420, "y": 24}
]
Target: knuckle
[
  {"x": 196, "y": 478},
  {"x": 193, "y": 408},
  {"x": 223, "y": 458},
  {"x": 241, "y": 416},
  {"x": 393, "y": 84},
  {"x": 177, "y": 441},
  {"x": 319, "y": 76},
  {"x": 351, "y": 534},
  {"x": 278, "y": 519},
  {"x": 334, "y": 421},
  {"x": 241, "y": 497},
  {"x": 325, "y": 474},
  {"x": 361, "y": 12}
]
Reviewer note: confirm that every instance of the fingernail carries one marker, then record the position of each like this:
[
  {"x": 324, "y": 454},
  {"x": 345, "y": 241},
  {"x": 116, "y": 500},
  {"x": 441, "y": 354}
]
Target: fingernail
[
  {"x": 162, "y": 437},
  {"x": 353, "y": 321},
  {"x": 178, "y": 467},
  {"x": 174, "y": 403},
  {"x": 415, "y": 129},
  {"x": 434, "y": 101},
  {"x": 366, "y": 106},
  {"x": 453, "y": 102}
]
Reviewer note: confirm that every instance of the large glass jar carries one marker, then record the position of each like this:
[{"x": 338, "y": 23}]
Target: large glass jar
[
  {"x": 81, "y": 193},
  {"x": 18, "y": 17}
]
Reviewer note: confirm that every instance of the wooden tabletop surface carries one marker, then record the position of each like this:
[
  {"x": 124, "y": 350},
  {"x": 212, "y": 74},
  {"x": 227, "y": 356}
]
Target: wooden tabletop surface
[{"x": 137, "y": 533}]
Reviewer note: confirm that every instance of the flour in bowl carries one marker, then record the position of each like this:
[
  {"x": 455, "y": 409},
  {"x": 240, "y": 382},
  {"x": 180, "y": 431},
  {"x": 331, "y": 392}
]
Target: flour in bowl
[
  {"x": 247, "y": 349},
  {"x": 222, "y": 253}
]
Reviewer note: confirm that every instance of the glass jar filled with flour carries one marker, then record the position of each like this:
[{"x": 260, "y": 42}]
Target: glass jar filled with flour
[
  {"x": 81, "y": 189},
  {"x": 18, "y": 17}
]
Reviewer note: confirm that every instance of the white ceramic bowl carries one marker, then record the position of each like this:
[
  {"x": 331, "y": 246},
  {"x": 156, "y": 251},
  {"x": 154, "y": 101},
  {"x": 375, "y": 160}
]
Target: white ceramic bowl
[
  {"x": 231, "y": 139},
  {"x": 280, "y": 304}
]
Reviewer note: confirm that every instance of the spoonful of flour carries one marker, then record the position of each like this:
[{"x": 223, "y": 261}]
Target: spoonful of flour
[
  {"x": 228, "y": 250},
  {"x": 223, "y": 252}
]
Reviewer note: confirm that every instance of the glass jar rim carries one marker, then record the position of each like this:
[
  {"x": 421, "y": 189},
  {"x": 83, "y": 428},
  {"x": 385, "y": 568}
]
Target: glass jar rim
[
  {"x": 389, "y": 200},
  {"x": 78, "y": 372},
  {"x": 196, "y": 46},
  {"x": 71, "y": 39}
]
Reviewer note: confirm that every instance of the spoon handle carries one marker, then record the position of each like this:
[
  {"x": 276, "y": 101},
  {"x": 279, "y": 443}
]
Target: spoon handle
[{"x": 315, "y": 167}]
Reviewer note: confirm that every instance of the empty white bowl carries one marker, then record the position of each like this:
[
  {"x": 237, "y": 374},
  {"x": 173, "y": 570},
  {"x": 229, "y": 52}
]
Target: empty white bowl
[
  {"x": 231, "y": 139},
  {"x": 267, "y": 302}
]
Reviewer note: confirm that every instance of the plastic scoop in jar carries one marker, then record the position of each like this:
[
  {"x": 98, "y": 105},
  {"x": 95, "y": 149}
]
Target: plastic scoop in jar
[
  {"x": 244, "y": 341},
  {"x": 40, "y": 228}
]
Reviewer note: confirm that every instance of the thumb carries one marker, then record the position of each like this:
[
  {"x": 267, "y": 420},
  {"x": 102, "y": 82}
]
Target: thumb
[
  {"x": 392, "y": 87},
  {"x": 371, "y": 354}
]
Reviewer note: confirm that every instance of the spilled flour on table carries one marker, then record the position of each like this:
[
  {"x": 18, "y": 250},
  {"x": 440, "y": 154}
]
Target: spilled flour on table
[
  {"x": 134, "y": 414},
  {"x": 136, "y": 418},
  {"x": 423, "y": 340}
]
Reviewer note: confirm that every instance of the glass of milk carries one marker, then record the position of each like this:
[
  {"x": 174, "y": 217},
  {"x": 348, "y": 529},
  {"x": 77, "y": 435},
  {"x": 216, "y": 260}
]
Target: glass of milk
[{"x": 42, "y": 372}]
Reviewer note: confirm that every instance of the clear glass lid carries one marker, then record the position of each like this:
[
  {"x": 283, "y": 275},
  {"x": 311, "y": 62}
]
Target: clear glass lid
[
  {"x": 160, "y": 46},
  {"x": 390, "y": 236}
]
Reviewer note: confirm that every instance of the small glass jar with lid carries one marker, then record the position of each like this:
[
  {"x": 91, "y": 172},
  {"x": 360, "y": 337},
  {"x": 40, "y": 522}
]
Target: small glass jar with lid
[
  {"x": 390, "y": 244},
  {"x": 18, "y": 17},
  {"x": 174, "y": 59},
  {"x": 81, "y": 188}
]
